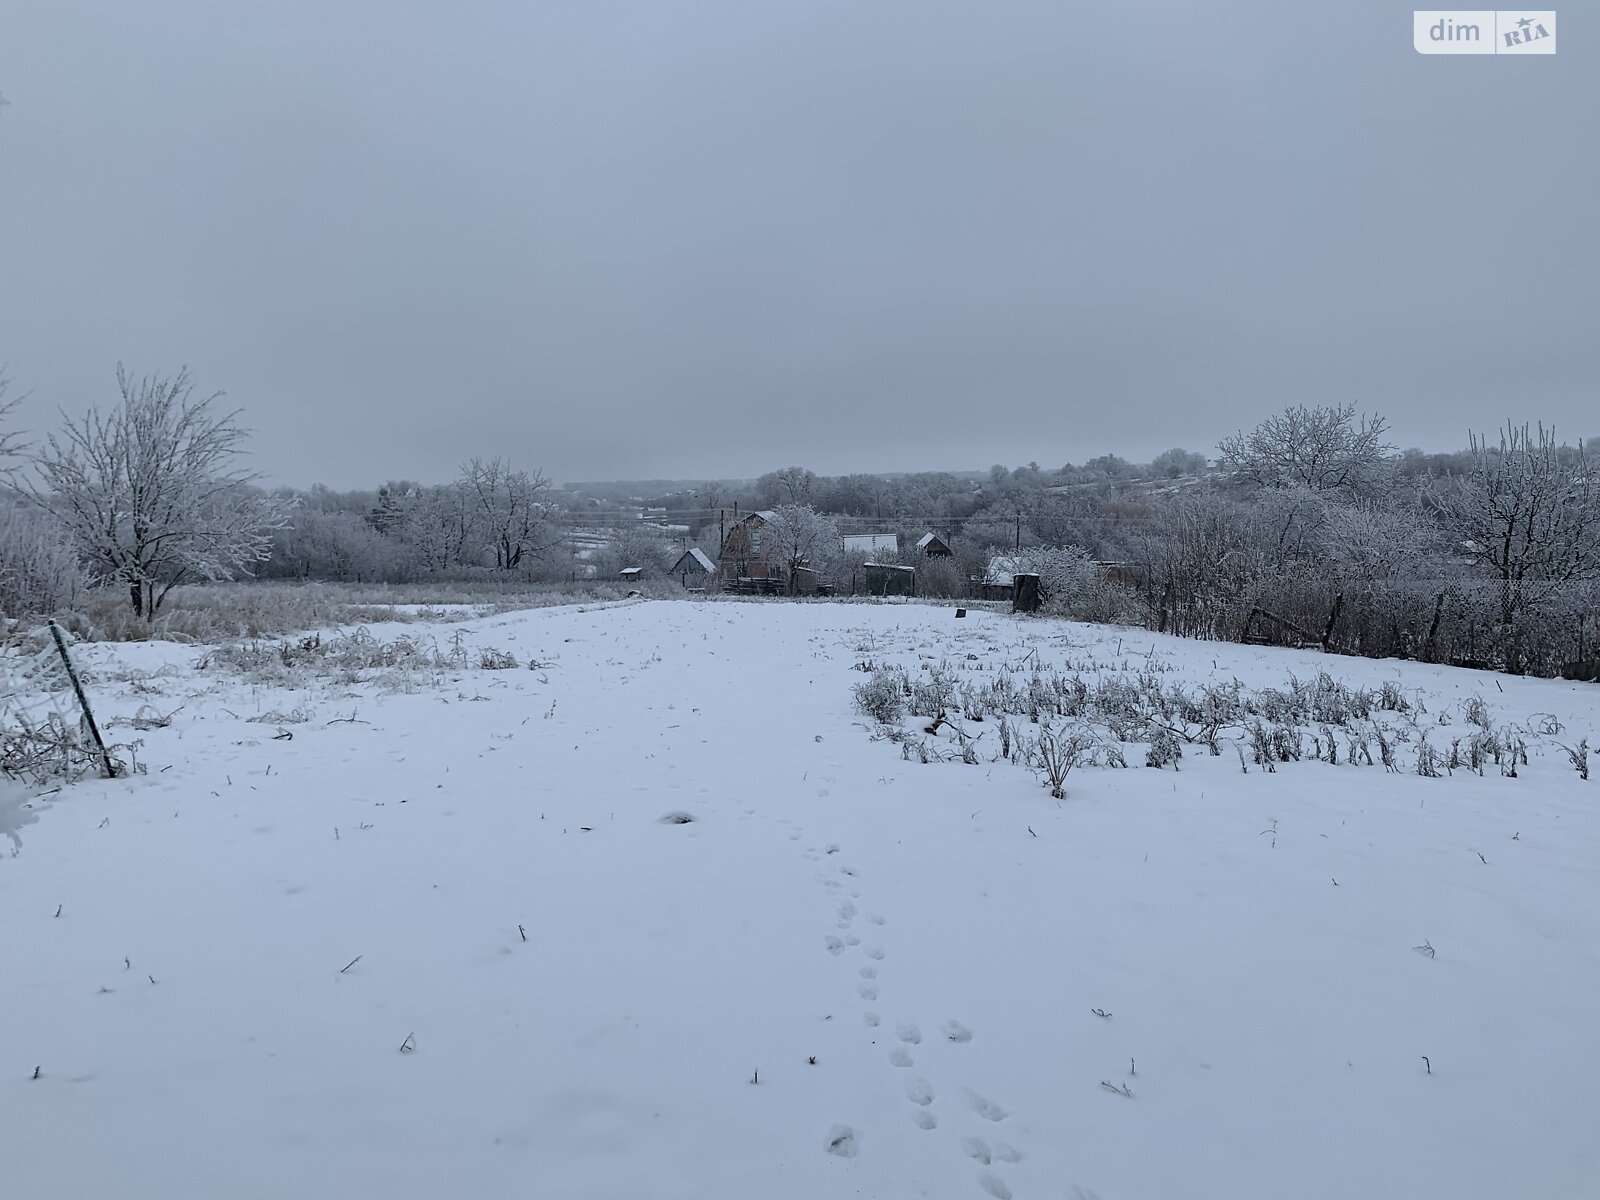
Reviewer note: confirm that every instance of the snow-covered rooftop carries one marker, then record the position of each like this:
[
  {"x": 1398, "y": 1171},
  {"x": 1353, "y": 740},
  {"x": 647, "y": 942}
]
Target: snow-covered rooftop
[
  {"x": 870, "y": 543},
  {"x": 1002, "y": 567},
  {"x": 699, "y": 556}
]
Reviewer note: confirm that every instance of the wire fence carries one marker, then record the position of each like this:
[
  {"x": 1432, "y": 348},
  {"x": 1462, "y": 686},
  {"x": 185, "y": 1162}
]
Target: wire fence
[{"x": 47, "y": 729}]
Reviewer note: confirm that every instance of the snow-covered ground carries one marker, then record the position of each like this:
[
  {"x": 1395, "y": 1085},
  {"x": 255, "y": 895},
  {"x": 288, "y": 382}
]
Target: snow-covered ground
[{"x": 442, "y": 943}]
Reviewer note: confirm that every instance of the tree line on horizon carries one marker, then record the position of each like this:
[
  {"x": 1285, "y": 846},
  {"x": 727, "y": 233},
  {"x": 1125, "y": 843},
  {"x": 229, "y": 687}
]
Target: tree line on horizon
[{"x": 1308, "y": 528}]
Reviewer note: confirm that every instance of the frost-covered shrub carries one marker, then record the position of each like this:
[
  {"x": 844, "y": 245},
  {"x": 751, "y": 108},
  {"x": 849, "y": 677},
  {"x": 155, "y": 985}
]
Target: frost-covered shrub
[
  {"x": 882, "y": 697},
  {"x": 1072, "y": 584},
  {"x": 39, "y": 571},
  {"x": 1165, "y": 748},
  {"x": 933, "y": 695}
]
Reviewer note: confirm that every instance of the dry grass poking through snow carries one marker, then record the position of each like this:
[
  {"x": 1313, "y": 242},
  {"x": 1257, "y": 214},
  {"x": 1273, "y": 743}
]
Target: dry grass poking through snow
[
  {"x": 214, "y": 613},
  {"x": 1089, "y": 713}
]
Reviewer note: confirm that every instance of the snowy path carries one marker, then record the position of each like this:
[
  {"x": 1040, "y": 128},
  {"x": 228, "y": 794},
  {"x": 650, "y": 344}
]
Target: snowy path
[{"x": 936, "y": 937}]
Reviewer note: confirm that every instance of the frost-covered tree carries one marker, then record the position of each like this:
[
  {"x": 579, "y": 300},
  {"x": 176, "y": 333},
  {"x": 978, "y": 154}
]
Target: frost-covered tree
[
  {"x": 1329, "y": 448},
  {"x": 1063, "y": 572},
  {"x": 634, "y": 546},
  {"x": 39, "y": 570},
  {"x": 1373, "y": 542},
  {"x": 10, "y": 438},
  {"x": 150, "y": 493},
  {"x": 1170, "y": 464},
  {"x": 437, "y": 528},
  {"x": 387, "y": 514},
  {"x": 1108, "y": 466},
  {"x": 510, "y": 510},
  {"x": 796, "y": 536},
  {"x": 1528, "y": 514},
  {"x": 789, "y": 486},
  {"x": 333, "y": 545}
]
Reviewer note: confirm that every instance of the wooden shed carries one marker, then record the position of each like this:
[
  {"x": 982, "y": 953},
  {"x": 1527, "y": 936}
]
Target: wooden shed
[
  {"x": 888, "y": 579},
  {"x": 932, "y": 545},
  {"x": 694, "y": 567},
  {"x": 996, "y": 581}
]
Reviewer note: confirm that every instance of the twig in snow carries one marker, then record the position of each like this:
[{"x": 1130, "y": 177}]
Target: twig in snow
[
  {"x": 523, "y": 932},
  {"x": 58, "y": 910},
  {"x": 350, "y": 964},
  {"x": 1579, "y": 755},
  {"x": 1100, "y": 1012},
  {"x": 755, "y": 1077},
  {"x": 1426, "y": 949},
  {"x": 1124, "y": 1090},
  {"x": 1427, "y": 1064},
  {"x": 410, "y": 1044},
  {"x": 127, "y": 963},
  {"x": 1481, "y": 859}
]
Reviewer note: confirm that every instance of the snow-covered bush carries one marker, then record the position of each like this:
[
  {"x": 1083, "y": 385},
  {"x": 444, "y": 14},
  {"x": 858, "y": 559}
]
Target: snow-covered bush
[
  {"x": 39, "y": 572},
  {"x": 1072, "y": 584},
  {"x": 882, "y": 697}
]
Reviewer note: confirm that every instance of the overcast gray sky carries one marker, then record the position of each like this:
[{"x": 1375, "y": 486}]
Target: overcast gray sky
[{"x": 677, "y": 238}]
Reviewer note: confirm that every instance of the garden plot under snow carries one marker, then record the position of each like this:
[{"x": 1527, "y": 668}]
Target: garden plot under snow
[{"x": 670, "y": 915}]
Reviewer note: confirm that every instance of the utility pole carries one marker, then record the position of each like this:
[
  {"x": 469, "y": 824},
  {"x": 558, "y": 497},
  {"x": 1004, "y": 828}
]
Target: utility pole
[
  {"x": 1019, "y": 530},
  {"x": 722, "y": 529}
]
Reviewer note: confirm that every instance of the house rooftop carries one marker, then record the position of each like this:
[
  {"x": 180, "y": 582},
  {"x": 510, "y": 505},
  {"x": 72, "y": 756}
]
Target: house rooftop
[
  {"x": 870, "y": 543},
  {"x": 1002, "y": 567}
]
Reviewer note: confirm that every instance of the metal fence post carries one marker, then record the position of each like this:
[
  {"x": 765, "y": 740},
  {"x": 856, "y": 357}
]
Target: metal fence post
[{"x": 83, "y": 701}]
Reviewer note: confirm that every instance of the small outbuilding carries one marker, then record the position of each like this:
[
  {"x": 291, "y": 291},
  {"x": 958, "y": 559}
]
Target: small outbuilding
[
  {"x": 997, "y": 580},
  {"x": 694, "y": 567},
  {"x": 631, "y": 574},
  {"x": 888, "y": 579},
  {"x": 932, "y": 545}
]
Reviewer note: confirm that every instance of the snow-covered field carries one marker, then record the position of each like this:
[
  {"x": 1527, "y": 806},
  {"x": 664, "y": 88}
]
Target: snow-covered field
[{"x": 441, "y": 942}]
